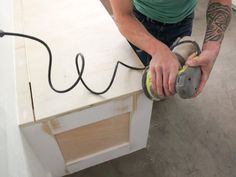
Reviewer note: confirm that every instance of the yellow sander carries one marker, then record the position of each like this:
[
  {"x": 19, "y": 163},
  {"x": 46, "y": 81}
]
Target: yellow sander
[{"x": 188, "y": 78}]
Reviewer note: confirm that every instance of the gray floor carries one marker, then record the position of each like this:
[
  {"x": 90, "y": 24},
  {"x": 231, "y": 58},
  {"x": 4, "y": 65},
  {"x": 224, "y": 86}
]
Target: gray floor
[{"x": 189, "y": 138}]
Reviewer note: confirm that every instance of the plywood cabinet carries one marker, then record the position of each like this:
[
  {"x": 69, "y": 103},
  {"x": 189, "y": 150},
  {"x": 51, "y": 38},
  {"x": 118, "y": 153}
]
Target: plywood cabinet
[
  {"x": 72, "y": 131},
  {"x": 80, "y": 139}
]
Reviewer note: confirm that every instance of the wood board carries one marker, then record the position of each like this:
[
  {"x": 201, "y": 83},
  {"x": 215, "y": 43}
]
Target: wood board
[
  {"x": 90, "y": 139},
  {"x": 69, "y": 27}
]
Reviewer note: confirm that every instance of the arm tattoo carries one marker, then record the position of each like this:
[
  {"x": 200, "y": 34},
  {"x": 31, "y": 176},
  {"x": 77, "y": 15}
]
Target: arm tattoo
[{"x": 218, "y": 18}]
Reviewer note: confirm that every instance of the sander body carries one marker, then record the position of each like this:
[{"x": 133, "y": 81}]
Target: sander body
[{"x": 188, "y": 78}]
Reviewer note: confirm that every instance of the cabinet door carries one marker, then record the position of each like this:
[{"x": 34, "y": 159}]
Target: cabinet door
[{"x": 94, "y": 138}]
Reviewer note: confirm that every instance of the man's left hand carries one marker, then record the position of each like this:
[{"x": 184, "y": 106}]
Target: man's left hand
[{"x": 206, "y": 61}]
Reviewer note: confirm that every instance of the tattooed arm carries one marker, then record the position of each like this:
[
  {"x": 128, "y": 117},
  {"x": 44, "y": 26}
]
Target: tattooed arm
[{"x": 218, "y": 17}]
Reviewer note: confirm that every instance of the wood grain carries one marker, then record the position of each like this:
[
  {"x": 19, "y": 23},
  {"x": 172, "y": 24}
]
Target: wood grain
[
  {"x": 24, "y": 101},
  {"x": 90, "y": 139},
  {"x": 71, "y": 26}
]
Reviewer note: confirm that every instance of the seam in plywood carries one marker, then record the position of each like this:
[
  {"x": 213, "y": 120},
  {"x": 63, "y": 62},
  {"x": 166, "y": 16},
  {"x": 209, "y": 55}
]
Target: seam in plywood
[
  {"x": 73, "y": 110},
  {"x": 86, "y": 107},
  {"x": 32, "y": 101},
  {"x": 23, "y": 31}
]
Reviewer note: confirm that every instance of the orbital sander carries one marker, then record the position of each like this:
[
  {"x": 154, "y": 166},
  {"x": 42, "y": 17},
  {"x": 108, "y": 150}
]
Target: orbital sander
[{"x": 188, "y": 78}]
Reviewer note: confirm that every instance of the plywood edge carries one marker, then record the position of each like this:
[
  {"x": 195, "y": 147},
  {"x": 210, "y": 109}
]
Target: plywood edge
[
  {"x": 24, "y": 106},
  {"x": 40, "y": 113},
  {"x": 39, "y": 120},
  {"x": 123, "y": 145},
  {"x": 24, "y": 100}
]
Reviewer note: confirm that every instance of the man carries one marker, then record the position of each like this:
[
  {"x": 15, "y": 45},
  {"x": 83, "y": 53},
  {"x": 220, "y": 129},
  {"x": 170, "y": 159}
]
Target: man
[{"x": 153, "y": 25}]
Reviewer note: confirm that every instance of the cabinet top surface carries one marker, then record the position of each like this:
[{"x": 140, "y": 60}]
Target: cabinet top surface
[{"x": 69, "y": 27}]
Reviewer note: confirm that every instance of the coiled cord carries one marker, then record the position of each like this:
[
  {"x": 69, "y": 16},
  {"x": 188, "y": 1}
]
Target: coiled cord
[{"x": 80, "y": 72}]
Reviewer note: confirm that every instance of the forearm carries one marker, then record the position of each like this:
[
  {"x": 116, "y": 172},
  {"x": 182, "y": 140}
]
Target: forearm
[
  {"x": 218, "y": 17},
  {"x": 136, "y": 33},
  {"x": 132, "y": 29}
]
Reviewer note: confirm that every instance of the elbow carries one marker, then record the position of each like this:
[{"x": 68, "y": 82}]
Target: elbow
[{"x": 121, "y": 22}]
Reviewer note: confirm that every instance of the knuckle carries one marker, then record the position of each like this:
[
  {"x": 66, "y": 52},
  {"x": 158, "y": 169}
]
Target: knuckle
[
  {"x": 205, "y": 78},
  {"x": 158, "y": 67},
  {"x": 154, "y": 83},
  {"x": 171, "y": 82},
  {"x": 159, "y": 85},
  {"x": 160, "y": 93},
  {"x": 165, "y": 85},
  {"x": 152, "y": 68},
  {"x": 166, "y": 69}
]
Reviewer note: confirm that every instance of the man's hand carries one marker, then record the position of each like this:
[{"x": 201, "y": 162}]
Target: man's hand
[
  {"x": 206, "y": 61},
  {"x": 164, "y": 68},
  {"x": 218, "y": 17}
]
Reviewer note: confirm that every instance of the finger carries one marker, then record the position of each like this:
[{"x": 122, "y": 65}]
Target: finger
[
  {"x": 159, "y": 81},
  {"x": 195, "y": 61},
  {"x": 165, "y": 84},
  {"x": 153, "y": 76},
  {"x": 204, "y": 79},
  {"x": 193, "y": 55},
  {"x": 172, "y": 79}
]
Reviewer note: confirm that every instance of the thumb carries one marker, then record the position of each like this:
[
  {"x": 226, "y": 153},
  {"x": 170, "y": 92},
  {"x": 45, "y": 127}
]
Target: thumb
[{"x": 195, "y": 61}]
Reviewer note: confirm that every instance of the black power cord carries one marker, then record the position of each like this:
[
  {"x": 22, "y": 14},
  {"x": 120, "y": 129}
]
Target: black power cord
[
  {"x": 194, "y": 43},
  {"x": 80, "y": 72}
]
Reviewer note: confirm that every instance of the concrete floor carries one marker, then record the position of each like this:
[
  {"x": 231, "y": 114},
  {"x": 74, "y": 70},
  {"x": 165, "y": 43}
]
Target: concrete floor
[{"x": 189, "y": 138}]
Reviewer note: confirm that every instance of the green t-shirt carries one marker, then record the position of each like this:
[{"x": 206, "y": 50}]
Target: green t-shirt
[{"x": 166, "y": 11}]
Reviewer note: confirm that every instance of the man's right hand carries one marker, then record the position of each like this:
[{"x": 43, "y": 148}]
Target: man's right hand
[{"x": 164, "y": 68}]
